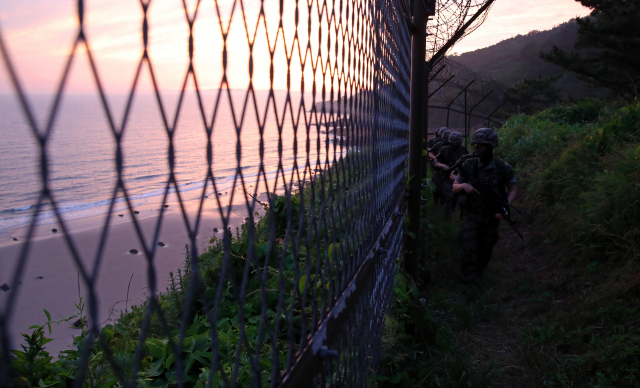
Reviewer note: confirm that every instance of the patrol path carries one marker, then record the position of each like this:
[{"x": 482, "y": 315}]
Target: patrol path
[{"x": 518, "y": 287}]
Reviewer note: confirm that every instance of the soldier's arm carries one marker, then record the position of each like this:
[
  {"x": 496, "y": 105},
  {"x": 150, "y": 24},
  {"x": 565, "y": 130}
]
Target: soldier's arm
[
  {"x": 441, "y": 165},
  {"x": 511, "y": 180},
  {"x": 442, "y": 160},
  {"x": 459, "y": 185},
  {"x": 511, "y": 195},
  {"x": 466, "y": 187},
  {"x": 513, "y": 191}
]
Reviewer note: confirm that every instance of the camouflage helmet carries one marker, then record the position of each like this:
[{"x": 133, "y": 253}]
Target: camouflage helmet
[
  {"x": 442, "y": 129},
  {"x": 455, "y": 138},
  {"x": 437, "y": 132},
  {"x": 485, "y": 136},
  {"x": 445, "y": 135}
]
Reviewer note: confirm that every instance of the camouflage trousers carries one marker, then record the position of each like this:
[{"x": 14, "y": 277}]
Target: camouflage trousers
[
  {"x": 450, "y": 199},
  {"x": 479, "y": 234}
]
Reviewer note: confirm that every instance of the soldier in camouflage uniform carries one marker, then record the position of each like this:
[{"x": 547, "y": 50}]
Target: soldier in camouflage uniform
[
  {"x": 445, "y": 160},
  {"x": 480, "y": 220},
  {"x": 433, "y": 151},
  {"x": 432, "y": 141},
  {"x": 437, "y": 174}
]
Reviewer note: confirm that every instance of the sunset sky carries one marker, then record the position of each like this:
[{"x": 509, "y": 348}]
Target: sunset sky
[
  {"x": 39, "y": 34},
  {"x": 512, "y": 17}
]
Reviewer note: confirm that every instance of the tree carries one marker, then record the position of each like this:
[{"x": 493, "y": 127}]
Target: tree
[
  {"x": 611, "y": 35},
  {"x": 533, "y": 94}
]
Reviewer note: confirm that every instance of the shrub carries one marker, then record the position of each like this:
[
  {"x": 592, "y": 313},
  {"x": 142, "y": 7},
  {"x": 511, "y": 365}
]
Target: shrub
[{"x": 579, "y": 164}]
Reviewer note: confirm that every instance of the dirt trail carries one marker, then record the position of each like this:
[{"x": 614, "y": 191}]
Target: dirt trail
[{"x": 512, "y": 280}]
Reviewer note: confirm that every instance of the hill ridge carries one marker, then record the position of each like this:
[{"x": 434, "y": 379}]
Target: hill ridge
[{"x": 516, "y": 58}]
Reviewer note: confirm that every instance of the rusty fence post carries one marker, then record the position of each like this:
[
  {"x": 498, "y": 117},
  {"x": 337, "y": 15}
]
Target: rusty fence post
[{"x": 417, "y": 124}]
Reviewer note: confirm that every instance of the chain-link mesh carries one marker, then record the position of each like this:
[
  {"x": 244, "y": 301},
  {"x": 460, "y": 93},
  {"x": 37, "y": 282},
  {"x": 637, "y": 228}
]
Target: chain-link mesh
[{"x": 303, "y": 285}]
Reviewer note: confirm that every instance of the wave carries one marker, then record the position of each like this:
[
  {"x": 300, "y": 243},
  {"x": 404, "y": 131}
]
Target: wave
[
  {"x": 20, "y": 216},
  {"x": 18, "y": 209}
]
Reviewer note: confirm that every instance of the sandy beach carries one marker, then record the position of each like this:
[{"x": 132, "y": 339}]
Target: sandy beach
[{"x": 50, "y": 277}]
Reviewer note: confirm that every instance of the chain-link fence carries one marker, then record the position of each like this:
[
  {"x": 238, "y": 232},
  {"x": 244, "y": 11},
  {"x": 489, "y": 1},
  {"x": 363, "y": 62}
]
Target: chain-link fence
[{"x": 293, "y": 288}]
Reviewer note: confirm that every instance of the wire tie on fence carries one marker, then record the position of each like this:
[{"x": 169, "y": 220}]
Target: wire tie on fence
[{"x": 325, "y": 352}]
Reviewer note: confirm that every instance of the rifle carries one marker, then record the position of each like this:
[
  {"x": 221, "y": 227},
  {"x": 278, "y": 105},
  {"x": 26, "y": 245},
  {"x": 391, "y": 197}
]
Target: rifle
[
  {"x": 490, "y": 193},
  {"x": 458, "y": 164}
]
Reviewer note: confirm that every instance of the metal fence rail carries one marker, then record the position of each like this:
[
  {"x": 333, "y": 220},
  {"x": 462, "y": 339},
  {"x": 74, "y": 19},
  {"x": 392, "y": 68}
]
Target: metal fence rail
[
  {"x": 328, "y": 239},
  {"x": 455, "y": 88}
]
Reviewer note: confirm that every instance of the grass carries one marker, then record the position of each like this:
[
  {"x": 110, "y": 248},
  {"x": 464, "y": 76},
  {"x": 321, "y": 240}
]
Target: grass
[
  {"x": 275, "y": 273},
  {"x": 561, "y": 308},
  {"x": 584, "y": 199},
  {"x": 425, "y": 343}
]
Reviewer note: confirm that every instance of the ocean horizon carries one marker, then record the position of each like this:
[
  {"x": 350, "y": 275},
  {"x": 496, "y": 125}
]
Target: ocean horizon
[{"x": 82, "y": 148}]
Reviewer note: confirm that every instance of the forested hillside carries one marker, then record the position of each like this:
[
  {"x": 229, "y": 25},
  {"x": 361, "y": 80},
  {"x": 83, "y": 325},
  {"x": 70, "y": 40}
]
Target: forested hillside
[{"x": 517, "y": 58}]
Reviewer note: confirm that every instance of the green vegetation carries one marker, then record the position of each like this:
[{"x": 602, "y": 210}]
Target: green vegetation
[
  {"x": 262, "y": 256},
  {"x": 532, "y": 95},
  {"x": 515, "y": 59},
  {"x": 559, "y": 309},
  {"x": 611, "y": 35},
  {"x": 157, "y": 352},
  {"x": 581, "y": 167},
  {"x": 424, "y": 344}
]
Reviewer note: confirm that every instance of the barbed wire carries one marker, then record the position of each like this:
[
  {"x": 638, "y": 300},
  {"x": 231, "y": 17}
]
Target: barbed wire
[
  {"x": 484, "y": 96},
  {"x": 451, "y": 16}
]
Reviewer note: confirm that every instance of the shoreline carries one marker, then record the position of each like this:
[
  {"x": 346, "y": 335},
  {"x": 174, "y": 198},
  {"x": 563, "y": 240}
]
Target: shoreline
[
  {"x": 75, "y": 211},
  {"x": 51, "y": 279}
]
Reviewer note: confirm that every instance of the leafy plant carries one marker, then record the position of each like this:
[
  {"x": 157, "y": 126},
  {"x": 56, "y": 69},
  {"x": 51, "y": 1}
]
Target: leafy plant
[{"x": 254, "y": 278}]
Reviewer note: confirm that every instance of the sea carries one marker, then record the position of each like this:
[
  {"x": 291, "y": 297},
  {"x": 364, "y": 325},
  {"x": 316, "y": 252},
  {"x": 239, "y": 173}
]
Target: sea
[{"x": 81, "y": 148}]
